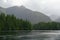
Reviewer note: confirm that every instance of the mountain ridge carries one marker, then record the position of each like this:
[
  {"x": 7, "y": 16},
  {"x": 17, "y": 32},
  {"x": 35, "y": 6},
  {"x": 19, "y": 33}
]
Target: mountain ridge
[{"x": 27, "y": 14}]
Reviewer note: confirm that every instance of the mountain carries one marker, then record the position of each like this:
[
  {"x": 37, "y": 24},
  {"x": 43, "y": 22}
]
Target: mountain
[
  {"x": 57, "y": 20},
  {"x": 27, "y": 14},
  {"x": 2, "y": 10}
]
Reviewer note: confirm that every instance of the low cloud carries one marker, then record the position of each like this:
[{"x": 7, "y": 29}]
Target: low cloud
[{"x": 48, "y": 7}]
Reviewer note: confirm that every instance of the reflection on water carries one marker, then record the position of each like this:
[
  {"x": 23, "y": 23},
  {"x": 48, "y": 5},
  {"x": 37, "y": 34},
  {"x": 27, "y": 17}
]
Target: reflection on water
[{"x": 35, "y": 35}]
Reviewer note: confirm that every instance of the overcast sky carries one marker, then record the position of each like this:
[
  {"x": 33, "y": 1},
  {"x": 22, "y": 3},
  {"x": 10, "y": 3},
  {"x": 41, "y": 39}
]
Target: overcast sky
[{"x": 48, "y": 7}]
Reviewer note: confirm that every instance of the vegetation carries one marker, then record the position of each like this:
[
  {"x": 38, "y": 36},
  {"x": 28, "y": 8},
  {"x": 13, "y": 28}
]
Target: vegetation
[
  {"x": 47, "y": 26},
  {"x": 9, "y": 24}
]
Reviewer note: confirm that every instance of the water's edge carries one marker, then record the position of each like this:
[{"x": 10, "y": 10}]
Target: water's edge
[{"x": 35, "y": 35}]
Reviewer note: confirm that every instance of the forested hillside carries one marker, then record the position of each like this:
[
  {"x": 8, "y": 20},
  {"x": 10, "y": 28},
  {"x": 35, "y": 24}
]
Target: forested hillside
[
  {"x": 10, "y": 23},
  {"x": 47, "y": 26}
]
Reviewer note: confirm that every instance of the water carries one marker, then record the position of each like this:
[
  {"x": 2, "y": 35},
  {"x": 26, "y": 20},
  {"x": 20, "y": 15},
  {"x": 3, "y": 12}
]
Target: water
[
  {"x": 37, "y": 35},
  {"x": 42, "y": 35}
]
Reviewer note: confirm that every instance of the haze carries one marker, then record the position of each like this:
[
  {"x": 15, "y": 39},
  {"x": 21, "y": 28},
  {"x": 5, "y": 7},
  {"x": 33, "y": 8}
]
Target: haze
[{"x": 48, "y": 7}]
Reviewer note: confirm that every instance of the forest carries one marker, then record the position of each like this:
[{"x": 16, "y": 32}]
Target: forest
[
  {"x": 9, "y": 23},
  {"x": 47, "y": 26}
]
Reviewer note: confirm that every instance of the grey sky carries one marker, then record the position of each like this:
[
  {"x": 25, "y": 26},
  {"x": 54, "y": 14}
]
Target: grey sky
[{"x": 48, "y": 7}]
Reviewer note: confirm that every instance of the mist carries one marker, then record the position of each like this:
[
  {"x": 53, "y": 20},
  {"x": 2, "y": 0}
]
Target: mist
[{"x": 48, "y": 7}]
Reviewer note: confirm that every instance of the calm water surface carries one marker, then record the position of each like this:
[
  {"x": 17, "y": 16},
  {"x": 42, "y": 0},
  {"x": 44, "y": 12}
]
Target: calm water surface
[{"x": 37, "y": 35}]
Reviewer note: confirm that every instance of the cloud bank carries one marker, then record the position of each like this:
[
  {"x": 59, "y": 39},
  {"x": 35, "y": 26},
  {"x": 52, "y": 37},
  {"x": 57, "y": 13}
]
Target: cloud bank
[{"x": 48, "y": 7}]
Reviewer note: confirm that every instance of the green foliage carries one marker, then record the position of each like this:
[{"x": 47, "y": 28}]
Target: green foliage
[
  {"x": 47, "y": 26},
  {"x": 9, "y": 23}
]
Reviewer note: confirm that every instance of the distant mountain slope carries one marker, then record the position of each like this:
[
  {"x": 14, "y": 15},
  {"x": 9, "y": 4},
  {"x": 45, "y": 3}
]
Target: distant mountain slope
[
  {"x": 26, "y": 14},
  {"x": 2, "y": 10},
  {"x": 57, "y": 20}
]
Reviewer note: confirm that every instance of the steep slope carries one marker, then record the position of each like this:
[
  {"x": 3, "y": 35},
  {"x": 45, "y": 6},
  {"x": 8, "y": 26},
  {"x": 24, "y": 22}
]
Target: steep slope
[
  {"x": 2, "y": 10},
  {"x": 26, "y": 14},
  {"x": 57, "y": 20}
]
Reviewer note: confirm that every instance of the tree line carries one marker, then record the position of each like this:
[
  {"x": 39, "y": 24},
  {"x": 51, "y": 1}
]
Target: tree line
[
  {"x": 47, "y": 26},
  {"x": 8, "y": 23}
]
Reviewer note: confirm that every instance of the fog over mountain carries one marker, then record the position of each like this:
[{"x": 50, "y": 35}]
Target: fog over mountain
[
  {"x": 49, "y": 7},
  {"x": 27, "y": 14}
]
